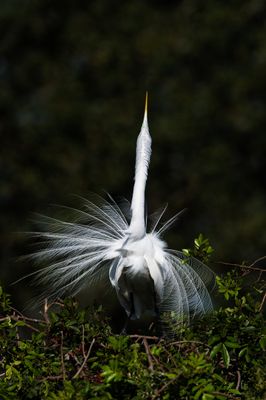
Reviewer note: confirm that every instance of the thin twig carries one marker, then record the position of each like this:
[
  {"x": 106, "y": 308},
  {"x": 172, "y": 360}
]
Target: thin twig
[
  {"x": 247, "y": 267},
  {"x": 188, "y": 341},
  {"x": 17, "y": 318},
  {"x": 57, "y": 303},
  {"x": 83, "y": 342},
  {"x": 5, "y": 319},
  {"x": 258, "y": 260},
  {"x": 45, "y": 311},
  {"x": 228, "y": 396},
  {"x": 85, "y": 360},
  {"x": 144, "y": 337},
  {"x": 51, "y": 378},
  {"x": 259, "y": 277},
  {"x": 21, "y": 316},
  {"x": 262, "y": 302},
  {"x": 170, "y": 357},
  {"x": 159, "y": 391},
  {"x": 238, "y": 379},
  {"x": 36, "y": 321},
  {"x": 148, "y": 352},
  {"x": 62, "y": 356}
]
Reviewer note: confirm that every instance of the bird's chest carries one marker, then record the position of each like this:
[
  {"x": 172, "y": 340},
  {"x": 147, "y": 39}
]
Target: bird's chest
[{"x": 136, "y": 270}]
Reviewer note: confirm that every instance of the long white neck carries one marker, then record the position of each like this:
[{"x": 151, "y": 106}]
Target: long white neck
[{"x": 137, "y": 227}]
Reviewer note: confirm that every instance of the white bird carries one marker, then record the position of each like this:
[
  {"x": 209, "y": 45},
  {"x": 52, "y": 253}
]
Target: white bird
[{"x": 107, "y": 246}]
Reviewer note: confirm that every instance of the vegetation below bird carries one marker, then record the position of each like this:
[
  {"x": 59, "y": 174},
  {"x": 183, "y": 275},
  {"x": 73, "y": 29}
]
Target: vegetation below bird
[{"x": 72, "y": 353}]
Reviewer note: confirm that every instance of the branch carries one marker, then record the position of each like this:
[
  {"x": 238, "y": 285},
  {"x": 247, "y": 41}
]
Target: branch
[
  {"x": 62, "y": 356},
  {"x": 85, "y": 360},
  {"x": 148, "y": 352},
  {"x": 83, "y": 342},
  {"x": 247, "y": 267},
  {"x": 262, "y": 302},
  {"x": 51, "y": 378},
  {"x": 228, "y": 396},
  {"x": 189, "y": 341},
  {"x": 258, "y": 259},
  {"x": 17, "y": 318},
  {"x": 20, "y": 315},
  {"x": 45, "y": 311},
  {"x": 5, "y": 319},
  {"x": 159, "y": 391},
  {"x": 238, "y": 379},
  {"x": 144, "y": 337}
]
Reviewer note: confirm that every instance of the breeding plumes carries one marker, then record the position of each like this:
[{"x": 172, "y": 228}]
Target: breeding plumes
[{"x": 106, "y": 249}]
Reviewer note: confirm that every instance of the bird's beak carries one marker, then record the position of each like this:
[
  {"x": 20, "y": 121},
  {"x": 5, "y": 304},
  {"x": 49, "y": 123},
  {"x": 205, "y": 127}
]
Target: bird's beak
[
  {"x": 146, "y": 103},
  {"x": 145, "y": 119}
]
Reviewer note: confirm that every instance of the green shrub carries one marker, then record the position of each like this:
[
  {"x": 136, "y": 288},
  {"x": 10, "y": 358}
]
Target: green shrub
[{"x": 73, "y": 354}]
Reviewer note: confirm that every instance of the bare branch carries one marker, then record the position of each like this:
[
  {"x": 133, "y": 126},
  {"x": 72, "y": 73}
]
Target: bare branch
[
  {"x": 45, "y": 311},
  {"x": 262, "y": 302},
  {"x": 247, "y": 267},
  {"x": 62, "y": 356},
  {"x": 148, "y": 352},
  {"x": 159, "y": 391},
  {"x": 189, "y": 341},
  {"x": 51, "y": 378},
  {"x": 258, "y": 260},
  {"x": 22, "y": 316},
  {"x": 238, "y": 379},
  {"x": 17, "y": 318},
  {"x": 83, "y": 342},
  {"x": 144, "y": 337},
  {"x": 85, "y": 360},
  {"x": 228, "y": 396}
]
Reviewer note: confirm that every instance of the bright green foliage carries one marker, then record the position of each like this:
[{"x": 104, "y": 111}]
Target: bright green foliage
[
  {"x": 201, "y": 250},
  {"x": 228, "y": 286},
  {"x": 73, "y": 354}
]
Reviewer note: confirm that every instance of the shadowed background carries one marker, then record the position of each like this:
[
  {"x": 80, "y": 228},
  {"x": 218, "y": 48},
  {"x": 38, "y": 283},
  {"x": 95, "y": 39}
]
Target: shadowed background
[{"x": 73, "y": 77}]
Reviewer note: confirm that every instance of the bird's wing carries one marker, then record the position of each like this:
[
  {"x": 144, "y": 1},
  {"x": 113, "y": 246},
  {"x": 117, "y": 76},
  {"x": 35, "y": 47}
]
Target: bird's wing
[
  {"x": 185, "y": 289},
  {"x": 78, "y": 253},
  {"x": 206, "y": 275}
]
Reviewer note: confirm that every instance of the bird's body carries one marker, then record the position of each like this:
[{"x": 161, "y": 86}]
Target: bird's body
[
  {"x": 137, "y": 276},
  {"x": 109, "y": 244}
]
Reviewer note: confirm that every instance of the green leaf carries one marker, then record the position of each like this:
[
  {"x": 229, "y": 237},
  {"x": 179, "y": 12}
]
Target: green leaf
[
  {"x": 243, "y": 351},
  {"x": 232, "y": 345},
  {"x": 170, "y": 375},
  {"x": 214, "y": 339},
  {"x": 186, "y": 252},
  {"x": 262, "y": 343},
  {"x": 215, "y": 350},
  {"x": 207, "y": 396},
  {"x": 197, "y": 243},
  {"x": 22, "y": 345},
  {"x": 225, "y": 355}
]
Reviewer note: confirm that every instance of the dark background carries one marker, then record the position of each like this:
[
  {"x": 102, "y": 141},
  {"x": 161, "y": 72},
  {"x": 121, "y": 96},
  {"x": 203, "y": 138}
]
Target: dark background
[{"x": 73, "y": 76}]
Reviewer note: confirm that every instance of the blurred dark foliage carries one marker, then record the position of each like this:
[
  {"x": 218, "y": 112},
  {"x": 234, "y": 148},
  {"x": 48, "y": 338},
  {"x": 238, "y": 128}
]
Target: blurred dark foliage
[{"x": 73, "y": 78}]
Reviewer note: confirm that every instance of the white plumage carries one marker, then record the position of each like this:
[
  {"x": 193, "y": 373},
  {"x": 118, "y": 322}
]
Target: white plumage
[{"x": 107, "y": 246}]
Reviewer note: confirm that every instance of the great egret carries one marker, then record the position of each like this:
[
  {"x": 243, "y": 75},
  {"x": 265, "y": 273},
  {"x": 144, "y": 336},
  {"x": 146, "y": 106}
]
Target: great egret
[{"x": 108, "y": 244}]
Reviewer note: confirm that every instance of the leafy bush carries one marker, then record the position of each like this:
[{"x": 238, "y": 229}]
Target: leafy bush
[{"x": 73, "y": 354}]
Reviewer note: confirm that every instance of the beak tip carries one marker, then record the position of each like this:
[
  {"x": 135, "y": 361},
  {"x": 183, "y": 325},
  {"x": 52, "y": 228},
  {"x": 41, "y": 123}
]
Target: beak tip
[{"x": 146, "y": 102}]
